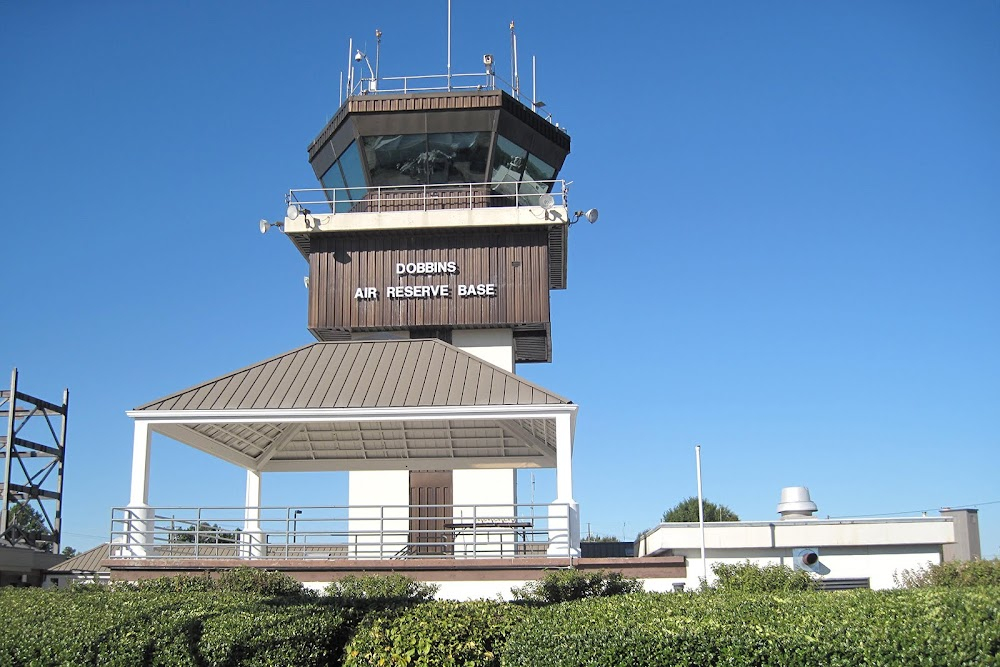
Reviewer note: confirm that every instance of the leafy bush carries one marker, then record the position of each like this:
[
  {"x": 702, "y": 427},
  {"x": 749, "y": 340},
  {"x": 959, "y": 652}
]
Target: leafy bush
[
  {"x": 748, "y": 577},
  {"x": 238, "y": 580},
  {"x": 565, "y": 585},
  {"x": 437, "y": 633},
  {"x": 123, "y": 628},
  {"x": 380, "y": 590},
  {"x": 886, "y": 628},
  {"x": 953, "y": 574},
  {"x": 258, "y": 581}
]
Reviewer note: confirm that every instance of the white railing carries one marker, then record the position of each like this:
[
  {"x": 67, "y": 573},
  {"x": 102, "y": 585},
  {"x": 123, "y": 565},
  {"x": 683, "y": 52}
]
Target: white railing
[
  {"x": 344, "y": 532},
  {"x": 381, "y": 199},
  {"x": 441, "y": 83}
]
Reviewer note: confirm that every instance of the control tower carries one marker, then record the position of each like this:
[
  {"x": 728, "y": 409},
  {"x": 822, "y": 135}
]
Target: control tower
[
  {"x": 439, "y": 215},
  {"x": 435, "y": 234}
]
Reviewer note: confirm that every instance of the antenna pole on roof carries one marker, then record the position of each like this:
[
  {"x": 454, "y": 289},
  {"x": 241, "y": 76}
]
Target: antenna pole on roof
[
  {"x": 449, "y": 45},
  {"x": 350, "y": 66},
  {"x": 534, "y": 90},
  {"x": 513, "y": 51},
  {"x": 340, "y": 102},
  {"x": 378, "y": 52}
]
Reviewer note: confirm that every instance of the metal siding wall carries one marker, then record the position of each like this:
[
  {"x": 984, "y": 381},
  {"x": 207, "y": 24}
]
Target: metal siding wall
[{"x": 339, "y": 265}]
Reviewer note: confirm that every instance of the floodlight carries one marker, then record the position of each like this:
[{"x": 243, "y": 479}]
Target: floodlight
[
  {"x": 546, "y": 201},
  {"x": 590, "y": 214},
  {"x": 292, "y": 211},
  {"x": 264, "y": 225}
]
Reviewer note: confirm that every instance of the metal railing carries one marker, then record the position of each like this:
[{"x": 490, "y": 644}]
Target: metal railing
[
  {"x": 341, "y": 532},
  {"x": 439, "y": 196},
  {"x": 442, "y": 83}
]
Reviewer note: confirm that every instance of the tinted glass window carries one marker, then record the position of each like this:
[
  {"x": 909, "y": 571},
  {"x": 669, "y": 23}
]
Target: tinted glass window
[
  {"x": 535, "y": 170},
  {"x": 333, "y": 178},
  {"x": 354, "y": 177},
  {"x": 508, "y": 163},
  {"x": 397, "y": 159},
  {"x": 457, "y": 157}
]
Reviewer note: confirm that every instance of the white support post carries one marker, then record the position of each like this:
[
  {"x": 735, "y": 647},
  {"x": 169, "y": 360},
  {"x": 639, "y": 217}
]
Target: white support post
[
  {"x": 252, "y": 538},
  {"x": 139, "y": 523},
  {"x": 564, "y": 513}
]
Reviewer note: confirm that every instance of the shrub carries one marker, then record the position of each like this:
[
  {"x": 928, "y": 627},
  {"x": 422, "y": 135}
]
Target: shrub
[
  {"x": 249, "y": 580},
  {"x": 748, "y": 577},
  {"x": 437, "y": 633},
  {"x": 123, "y": 628},
  {"x": 953, "y": 574},
  {"x": 259, "y": 581},
  {"x": 885, "y": 628},
  {"x": 380, "y": 589},
  {"x": 565, "y": 585}
]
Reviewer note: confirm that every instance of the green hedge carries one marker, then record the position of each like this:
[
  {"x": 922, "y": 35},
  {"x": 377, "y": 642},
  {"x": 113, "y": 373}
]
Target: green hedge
[
  {"x": 129, "y": 628},
  {"x": 471, "y": 634},
  {"x": 118, "y": 628},
  {"x": 925, "y": 627}
]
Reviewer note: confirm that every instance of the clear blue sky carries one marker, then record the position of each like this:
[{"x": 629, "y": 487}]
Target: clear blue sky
[{"x": 797, "y": 262}]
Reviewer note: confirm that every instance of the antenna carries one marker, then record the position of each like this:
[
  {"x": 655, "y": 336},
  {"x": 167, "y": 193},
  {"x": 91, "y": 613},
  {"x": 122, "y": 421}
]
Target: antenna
[
  {"x": 449, "y": 45},
  {"x": 378, "y": 52},
  {"x": 513, "y": 52},
  {"x": 350, "y": 66}
]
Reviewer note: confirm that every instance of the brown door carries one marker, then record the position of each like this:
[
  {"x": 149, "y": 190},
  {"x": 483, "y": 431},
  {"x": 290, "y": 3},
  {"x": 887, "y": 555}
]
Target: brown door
[{"x": 429, "y": 532}]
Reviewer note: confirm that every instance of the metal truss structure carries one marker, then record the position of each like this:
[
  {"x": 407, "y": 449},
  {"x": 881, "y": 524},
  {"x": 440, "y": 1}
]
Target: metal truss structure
[{"x": 33, "y": 448}]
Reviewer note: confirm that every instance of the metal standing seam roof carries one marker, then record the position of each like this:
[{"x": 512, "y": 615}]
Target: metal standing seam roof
[
  {"x": 361, "y": 374},
  {"x": 88, "y": 561},
  {"x": 406, "y": 374}
]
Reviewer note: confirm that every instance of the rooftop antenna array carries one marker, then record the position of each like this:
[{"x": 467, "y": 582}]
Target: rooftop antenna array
[{"x": 373, "y": 83}]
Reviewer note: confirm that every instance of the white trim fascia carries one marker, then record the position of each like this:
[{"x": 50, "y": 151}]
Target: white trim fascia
[
  {"x": 437, "y": 463},
  {"x": 501, "y": 216},
  {"x": 460, "y": 412}
]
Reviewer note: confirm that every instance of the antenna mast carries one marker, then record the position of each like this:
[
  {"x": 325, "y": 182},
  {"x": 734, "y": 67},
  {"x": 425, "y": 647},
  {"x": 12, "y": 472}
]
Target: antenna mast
[
  {"x": 449, "y": 45},
  {"x": 513, "y": 51}
]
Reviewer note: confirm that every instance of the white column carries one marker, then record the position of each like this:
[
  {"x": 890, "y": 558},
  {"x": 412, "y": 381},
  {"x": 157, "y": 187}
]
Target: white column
[
  {"x": 139, "y": 515},
  {"x": 252, "y": 537},
  {"x": 564, "y": 513},
  {"x": 140, "y": 464}
]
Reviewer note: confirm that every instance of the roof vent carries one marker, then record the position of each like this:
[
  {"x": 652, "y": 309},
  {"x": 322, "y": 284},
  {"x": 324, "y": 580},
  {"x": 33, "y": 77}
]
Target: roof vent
[{"x": 795, "y": 503}]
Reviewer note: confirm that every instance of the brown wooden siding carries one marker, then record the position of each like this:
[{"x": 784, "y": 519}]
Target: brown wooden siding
[
  {"x": 428, "y": 534},
  {"x": 515, "y": 260}
]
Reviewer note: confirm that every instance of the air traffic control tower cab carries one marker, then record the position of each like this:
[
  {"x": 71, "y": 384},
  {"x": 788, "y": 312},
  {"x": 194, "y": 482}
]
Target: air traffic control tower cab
[{"x": 438, "y": 211}]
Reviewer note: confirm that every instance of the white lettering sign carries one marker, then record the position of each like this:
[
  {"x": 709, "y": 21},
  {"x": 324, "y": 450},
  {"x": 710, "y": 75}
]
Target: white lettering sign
[
  {"x": 440, "y": 291},
  {"x": 426, "y": 268}
]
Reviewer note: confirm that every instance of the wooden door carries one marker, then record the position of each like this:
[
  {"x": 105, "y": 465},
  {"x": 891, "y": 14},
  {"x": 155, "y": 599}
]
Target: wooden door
[{"x": 429, "y": 532}]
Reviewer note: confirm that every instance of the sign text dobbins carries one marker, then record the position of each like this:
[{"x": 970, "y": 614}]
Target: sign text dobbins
[{"x": 439, "y": 291}]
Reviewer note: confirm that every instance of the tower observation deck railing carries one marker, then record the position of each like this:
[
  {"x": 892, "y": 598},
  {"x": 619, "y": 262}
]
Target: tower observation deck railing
[
  {"x": 438, "y": 196},
  {"x": 341, "y": 532},
  {"x": 442, "y": 83}
]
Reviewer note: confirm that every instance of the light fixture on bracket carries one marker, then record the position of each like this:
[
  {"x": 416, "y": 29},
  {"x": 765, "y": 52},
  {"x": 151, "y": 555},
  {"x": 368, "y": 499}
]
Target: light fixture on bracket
[
  {"x": 590, "y": 214},
  {"x": 294, "y": 210},
  {"x": 264, "y": 225},
  {"x": 546, "y": 201}
]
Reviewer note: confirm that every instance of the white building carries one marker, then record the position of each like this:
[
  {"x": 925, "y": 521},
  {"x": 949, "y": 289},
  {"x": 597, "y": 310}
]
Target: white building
[{"x": 844, "y": 553}]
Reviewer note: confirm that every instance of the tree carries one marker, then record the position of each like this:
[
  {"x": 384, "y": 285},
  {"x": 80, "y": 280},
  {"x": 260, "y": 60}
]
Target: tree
[
  {"x": 25, "y": 523},
  {"x": 687, "y": 511},
  {"x": 69, "y": 551},
  {"x": 205, "y": 533}
]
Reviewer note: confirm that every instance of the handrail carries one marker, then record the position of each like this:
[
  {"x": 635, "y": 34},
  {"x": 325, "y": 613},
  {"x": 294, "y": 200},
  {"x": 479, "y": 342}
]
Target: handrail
[
  {"x": 386, "y": 198},
  {"x": 338, "y": 532}
]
